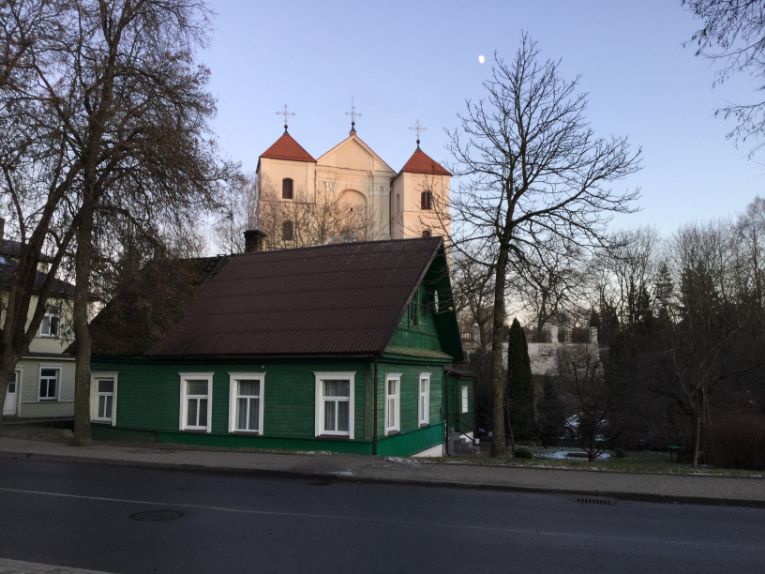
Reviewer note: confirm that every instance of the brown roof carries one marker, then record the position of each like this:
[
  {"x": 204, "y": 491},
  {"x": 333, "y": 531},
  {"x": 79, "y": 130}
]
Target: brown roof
[
  {"x": 420, "y": 162},
  {"x": 12, "y": 249},
  {"x": 57, "y": 288},
  {"x": 327, "y": 300},
  {"x": 286, "y": 147},
  {"x": 148, "y": 304}
]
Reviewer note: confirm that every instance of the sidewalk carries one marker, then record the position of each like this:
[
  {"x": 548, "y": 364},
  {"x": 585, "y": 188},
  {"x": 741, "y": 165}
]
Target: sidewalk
[{"x": 667, "y": 488}]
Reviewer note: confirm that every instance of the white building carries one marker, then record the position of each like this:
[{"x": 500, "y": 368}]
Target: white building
[
  {"x": 408, "y": 203},
  {"x": 43, "y": 383}
]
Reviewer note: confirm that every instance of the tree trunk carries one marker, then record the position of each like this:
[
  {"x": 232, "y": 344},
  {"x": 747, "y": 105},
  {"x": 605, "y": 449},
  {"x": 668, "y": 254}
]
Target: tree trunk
[
  {"x": 7, "y": 367},
  {"x": 697, "y": 441},
  {"x": 81, "y": 329},
  {"x": 498, "y": 442}
]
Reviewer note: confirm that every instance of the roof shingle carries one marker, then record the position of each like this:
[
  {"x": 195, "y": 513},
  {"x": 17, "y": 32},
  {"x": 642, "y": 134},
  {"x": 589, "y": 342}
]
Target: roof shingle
[
  {"x": 286, "y": 147},
  {"x": 327, "y": 300},
  {"x": 420, "y": 162}
]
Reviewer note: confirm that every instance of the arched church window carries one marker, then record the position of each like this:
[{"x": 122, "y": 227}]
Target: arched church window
[
  {"x": 287, "y": 188},
  {"x": 426, "y": 200},
  {"x": 427, "y": 233},
  {"x": 288, "y": 231}
]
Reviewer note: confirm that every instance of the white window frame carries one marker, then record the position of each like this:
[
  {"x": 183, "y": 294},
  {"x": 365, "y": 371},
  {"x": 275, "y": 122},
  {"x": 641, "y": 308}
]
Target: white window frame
[
  {"x": 184, "y": 406},
  {"x": 392, "y": 420},
  {"x": 95, "y": 376},
  {"x": 465, "y": 399},
  {"x": 51, "y": 312},
  {"x": 58, "y": 370},
  {"x": 233, "y": 395},
  {"x": 322, "y": 376},
  {"x": 423, "y": 400}
]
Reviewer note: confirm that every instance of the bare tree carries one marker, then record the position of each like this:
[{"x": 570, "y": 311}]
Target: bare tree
[
  {"x": 114, "y": 101},
  {"x": 321, "y": 218},
  {"x": 473, "y": 290},
  {"x": 533, "y": 171},
  {"x": 626, "y": 270},
  {"x": 590, "y": 394},
  {"x": 551, "y": 281},
  {"x": 241, "y": 207},
  {"x": 733, "y": 35}
]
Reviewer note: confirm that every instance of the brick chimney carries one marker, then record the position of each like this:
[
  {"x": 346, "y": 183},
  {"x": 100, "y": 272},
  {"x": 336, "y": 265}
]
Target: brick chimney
[{"x": 253, "y": 240}]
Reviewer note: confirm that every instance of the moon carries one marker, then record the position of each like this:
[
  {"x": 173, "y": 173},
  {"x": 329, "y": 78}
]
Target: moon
[{"x": 481, "y": 58}]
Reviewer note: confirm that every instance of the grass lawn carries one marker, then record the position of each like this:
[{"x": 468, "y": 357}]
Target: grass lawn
[{"x": 641, "y": 462}]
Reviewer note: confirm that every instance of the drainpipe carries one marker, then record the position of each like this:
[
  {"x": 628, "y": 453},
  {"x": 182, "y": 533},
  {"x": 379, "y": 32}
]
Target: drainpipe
[
  {"x": 374, "y": 418},
  {"x": 446, "y": 414}
]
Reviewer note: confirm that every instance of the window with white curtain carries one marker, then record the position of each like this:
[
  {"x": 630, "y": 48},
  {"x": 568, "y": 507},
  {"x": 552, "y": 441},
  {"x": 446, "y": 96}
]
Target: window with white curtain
[
  {"x": 392, "y": 403},
  {"x": 246, "y": 402},
  {"x": 423, "y": 405},
  {"x": 103, "y": 397},
  {"x": 196, "y": 402},
  {"x": 334, "y": 403}
]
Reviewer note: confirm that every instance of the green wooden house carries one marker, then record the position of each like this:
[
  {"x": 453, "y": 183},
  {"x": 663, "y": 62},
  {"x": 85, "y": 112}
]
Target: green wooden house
[{"x": 343, "y": 347}]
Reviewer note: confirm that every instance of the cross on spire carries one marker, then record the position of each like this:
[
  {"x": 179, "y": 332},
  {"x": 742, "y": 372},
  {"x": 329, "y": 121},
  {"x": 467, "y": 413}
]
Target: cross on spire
[
  {"x": 285, "y": 113},
  {"x": 353, "y": 114},
  {"x": 418, "y": 129}
]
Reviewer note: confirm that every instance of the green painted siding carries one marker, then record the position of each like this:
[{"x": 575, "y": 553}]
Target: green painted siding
[
  {"x": 459, "y": 421},
  {"x": 148, "y": 403},
  {"x": 410, "y": 380},
  {"x": 405, "y": 444},
  {"x": 149, "y": 400},
  {"x": 424, "y": 335}
]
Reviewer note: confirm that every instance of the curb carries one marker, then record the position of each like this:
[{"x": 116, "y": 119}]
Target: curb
[{"x": 334, "y": 477}]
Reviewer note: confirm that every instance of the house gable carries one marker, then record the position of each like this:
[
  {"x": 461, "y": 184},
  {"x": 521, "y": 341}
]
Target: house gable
[
  {"x": 434, "y": 332},
  {"x": 352, "y": 153}
]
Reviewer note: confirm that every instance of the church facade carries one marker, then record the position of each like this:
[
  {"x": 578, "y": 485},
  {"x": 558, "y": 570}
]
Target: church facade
[{"x": 348, "y": 193}]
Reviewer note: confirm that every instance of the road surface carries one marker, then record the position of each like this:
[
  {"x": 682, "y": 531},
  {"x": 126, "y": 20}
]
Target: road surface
[{"x": 121, "y": 519}]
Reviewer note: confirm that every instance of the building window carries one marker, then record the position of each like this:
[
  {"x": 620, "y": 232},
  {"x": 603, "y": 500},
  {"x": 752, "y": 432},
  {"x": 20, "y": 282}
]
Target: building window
[
  {"x": 426, "y": 233},
  {"x": 288, "y": 231},
  {"x": 196, "y": 402},
  {"x": 465, "y": 402},
  {"x": 423, "y": 406},
  {"x": 287, "y": 188},
  {"x": 414, "y": 311},
  {"x": 246, "y": 402},
  {"x": 49, "y": 377},
  {"x": 392, "y": 403},
  {"x": 426, "y": 200},
  {"x": 103, "y": 397},
  {"x": 334, "y": 404},
  {"x": 49, "y": 326}
]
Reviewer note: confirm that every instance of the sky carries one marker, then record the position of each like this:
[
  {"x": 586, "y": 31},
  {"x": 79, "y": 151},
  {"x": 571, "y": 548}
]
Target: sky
[{"x": 404, "y": 61}]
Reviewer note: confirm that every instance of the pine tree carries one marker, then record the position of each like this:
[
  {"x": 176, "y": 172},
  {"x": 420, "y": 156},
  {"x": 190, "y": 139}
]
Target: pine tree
[
  {"x": 664, "y": 291},
  {"x": 520, "y": 385}
]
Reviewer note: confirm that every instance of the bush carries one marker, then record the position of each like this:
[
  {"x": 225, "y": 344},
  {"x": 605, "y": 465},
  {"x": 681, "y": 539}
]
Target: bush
[
  {"x": 738, "y": 441},
  {"x": 523, "y": 452},
  {"x": 620, "y": 453}
]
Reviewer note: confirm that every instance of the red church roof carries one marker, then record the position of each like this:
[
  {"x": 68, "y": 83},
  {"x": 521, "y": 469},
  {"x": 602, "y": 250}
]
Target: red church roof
[
  {"x": 420, "y": 162},
  {"x": 287, "y": 148}
]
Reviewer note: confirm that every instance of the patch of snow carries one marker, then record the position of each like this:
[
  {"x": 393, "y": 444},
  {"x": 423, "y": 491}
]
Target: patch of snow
[
  {"x": 343, "y": 473},
  {"x": 563, "y": 454},
  {"x": 402, "y": 460}
]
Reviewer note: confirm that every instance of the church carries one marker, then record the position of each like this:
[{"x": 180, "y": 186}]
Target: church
[{"x": 348, "y": 193}]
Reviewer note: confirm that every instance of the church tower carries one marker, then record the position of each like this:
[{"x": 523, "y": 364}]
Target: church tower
[
  {"x": 286, "y": 180},
  {"x": 349, "y": 193},
  {"x": 420, "y": 198}
]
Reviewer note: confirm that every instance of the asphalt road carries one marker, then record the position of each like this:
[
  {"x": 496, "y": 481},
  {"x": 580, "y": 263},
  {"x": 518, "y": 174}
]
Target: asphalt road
[{"x": 122, "y": 519}]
